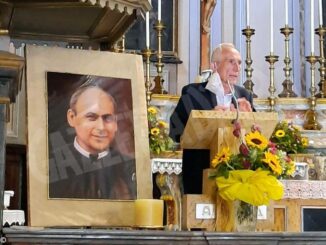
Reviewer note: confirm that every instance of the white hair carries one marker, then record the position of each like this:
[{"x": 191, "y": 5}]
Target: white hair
[{"x": 216, "y": 54}]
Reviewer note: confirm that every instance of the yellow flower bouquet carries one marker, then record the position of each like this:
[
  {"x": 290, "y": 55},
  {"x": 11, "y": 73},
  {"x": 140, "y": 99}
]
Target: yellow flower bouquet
[
  {"x": 252, "y": 174},
  {"x": 288, "y": 138},
  {"x": 159, "y": 140}
]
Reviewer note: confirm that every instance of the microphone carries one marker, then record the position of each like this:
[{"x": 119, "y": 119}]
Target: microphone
[{"x": 236, "y": 102}]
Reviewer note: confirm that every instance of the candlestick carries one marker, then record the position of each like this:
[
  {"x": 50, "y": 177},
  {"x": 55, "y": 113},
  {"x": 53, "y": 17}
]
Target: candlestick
[
  {"x": 311, "y": 122},
  {"x": 147, "y": 54},
  {"x": 147, "y": 29},
  {"x": 247, "y": 13},
  {"x": 272, "y": 26},
  {"x": 287, "y": 83},
  {"x": 248, "y": 84},
  {"x": 320, "y": 7},
  {"x": 119, "y": 47},
  {"x": 321, "y": 31},
  {"x": 271, "y": 59},
  {"x": 149, "y": 213},
  {"x": 312, "y": 41},
  {"x": 159, "y": 10},
  {"x": 158, "y": 87},
  {"x": 286, "y": 12}
]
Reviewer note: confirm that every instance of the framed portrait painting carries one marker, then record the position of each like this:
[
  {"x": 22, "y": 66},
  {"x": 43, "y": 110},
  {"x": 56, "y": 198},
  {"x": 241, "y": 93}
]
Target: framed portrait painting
[{"x": 86, "y": 162}]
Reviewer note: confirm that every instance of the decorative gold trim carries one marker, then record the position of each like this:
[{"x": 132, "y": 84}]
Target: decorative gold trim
[
  {"x": 279, "y": 101},
  {"x": 3, "y": 32},
  {"x": 6, "y": 101},
  {"x": 165, "y": 97}
]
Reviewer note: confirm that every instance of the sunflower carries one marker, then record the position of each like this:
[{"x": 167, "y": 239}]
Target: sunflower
[
  {"x": 304, "y": 141},
  {"x": 256, "y": 139},
  {"x": 222, "y": 156},
  {"x": 155, "y": 131},
  {"x": 152, "y": 110},
  {"x": 291, "y": 168},
  {"x": 280, "y": 133},
  {"x": 162, "y": 124},
  {"x": 273, "y": 162}
]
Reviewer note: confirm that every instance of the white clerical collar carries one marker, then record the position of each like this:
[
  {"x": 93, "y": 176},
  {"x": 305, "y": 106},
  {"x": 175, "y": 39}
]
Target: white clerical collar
[
  {"x": 86, "y": 153},
  {"x": 215, "y": 85}
]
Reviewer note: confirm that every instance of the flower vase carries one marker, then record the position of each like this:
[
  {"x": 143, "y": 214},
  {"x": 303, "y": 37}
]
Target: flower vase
[
  {"x": 245, "y": 216},
  {"x": 235, "y": 216}
]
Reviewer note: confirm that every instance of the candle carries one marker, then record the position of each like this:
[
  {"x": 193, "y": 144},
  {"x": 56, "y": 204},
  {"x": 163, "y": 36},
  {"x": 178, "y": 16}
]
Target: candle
[
  {"x": 320, "y": 6},
  {"x": 247, "y": 13},
  {"x": 286, "y": 12},
  {"x": 147, "y": 29},
  {"x": 159, "y": 9},
  {"x": 312, "y": 41},
  {"x": 148, "y": 213},
  {"x": 272, "y": 26}
]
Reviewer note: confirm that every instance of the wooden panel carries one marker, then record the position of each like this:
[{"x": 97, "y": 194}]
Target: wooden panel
[
  {"x": 189, "y": 220},
  {"x": 264, "y": 225},
  {"x": 293, "y": 214},
  {"x": 202, "y": 125},
  {"x": 279, "y": 219}
]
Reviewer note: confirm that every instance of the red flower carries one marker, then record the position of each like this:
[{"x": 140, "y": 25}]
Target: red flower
[
  {"x": 237, "y": 129},
  {"x": 255, "y": 127},
  {"x": 244, "y": 149},
  {"x": 272, "y": 147},
  {"x": 246, "y": 164}
]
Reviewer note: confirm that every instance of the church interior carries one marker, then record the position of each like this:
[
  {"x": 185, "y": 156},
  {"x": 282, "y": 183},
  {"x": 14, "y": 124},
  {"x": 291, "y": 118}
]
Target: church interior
[{"x": 266, "y": 177}]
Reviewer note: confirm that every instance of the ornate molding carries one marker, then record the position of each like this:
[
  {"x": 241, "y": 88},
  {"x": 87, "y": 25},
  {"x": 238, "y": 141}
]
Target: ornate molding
[
  {"x": 300, "y": 189},
  {"x": 166, "y": 165},
  {"x": 122, "y": 5}
]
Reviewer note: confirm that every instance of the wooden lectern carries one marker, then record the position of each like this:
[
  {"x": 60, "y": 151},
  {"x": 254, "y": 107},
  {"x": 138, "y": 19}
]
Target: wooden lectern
[{"x": 209, "y": 129}]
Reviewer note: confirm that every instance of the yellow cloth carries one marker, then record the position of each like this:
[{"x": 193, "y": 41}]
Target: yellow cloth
[{"x": 254, "y": 187}]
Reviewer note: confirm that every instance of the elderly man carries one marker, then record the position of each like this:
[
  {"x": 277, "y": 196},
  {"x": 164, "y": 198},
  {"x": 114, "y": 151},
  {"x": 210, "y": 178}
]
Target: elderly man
[{"x": 221, "y": 93}]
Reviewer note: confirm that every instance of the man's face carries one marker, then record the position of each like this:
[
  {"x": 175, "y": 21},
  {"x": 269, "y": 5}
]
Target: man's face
[
  {"x": 94, "y": 120},
  {"x": 229, "y": 66}
]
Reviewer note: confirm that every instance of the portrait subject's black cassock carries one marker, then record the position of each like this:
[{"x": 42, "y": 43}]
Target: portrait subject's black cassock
[
  {"x": 76, "y": 176},
  {"x": 196, "y": 97}
]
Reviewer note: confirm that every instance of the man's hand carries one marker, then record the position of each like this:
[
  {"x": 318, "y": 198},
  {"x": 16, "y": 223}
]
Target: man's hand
[
  {"x": 221, "y": 108},
  {"x": 224, "y": 108},
  {"x": 244, "y": 105}
]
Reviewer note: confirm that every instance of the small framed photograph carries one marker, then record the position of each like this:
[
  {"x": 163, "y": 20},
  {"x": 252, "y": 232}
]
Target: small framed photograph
[{"x": 87, "y": 163}]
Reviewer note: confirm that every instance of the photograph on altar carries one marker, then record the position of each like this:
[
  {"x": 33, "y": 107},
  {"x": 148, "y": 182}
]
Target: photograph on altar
[
  {"x": 83, "y": 146},
  {"x": 90, "y": 137}
]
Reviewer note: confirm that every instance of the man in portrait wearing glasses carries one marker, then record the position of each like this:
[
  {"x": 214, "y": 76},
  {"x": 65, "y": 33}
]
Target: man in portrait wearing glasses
[
  {"x": 220, "y": 93},
  {"x": 92, "y": 169}
]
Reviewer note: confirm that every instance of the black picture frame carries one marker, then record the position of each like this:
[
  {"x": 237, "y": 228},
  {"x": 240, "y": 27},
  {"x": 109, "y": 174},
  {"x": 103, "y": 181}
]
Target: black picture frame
[{"x": 135, "y": 38}]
